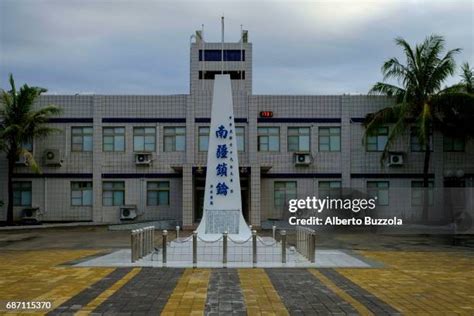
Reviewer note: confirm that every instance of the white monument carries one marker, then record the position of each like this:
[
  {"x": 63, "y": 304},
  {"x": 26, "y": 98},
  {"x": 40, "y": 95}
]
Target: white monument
[{"x": 222, "y": 198}]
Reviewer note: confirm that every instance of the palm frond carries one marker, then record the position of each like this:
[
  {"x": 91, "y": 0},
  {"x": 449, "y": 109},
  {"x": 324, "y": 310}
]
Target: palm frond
[
  {"x": 22, "y": 122},
  {"x": 388, "y": 115},
  {"x": 382, "y": 88}
]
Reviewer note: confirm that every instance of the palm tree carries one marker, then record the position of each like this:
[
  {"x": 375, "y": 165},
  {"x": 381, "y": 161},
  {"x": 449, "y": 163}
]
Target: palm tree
[
  {"x": 419, "y": 79},
  {"x": 467, "y": 78},
  {"x": 466, "y": 85},
  {"x": 20, "y": 124}
]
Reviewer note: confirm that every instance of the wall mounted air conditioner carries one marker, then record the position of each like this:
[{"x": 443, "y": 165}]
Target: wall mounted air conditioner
[
  {"x": 303, "y": 159},
  {"x": 143, "y": 159},
  {"x": 128, "y": 212},
  {"x": 52, "y": 157},
  {"x": 31, "y": 215},
  {"x": 395, "y": 159}
]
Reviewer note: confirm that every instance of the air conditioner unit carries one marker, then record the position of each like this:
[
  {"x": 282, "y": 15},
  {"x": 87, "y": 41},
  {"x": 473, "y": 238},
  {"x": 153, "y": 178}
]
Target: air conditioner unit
[
  {"x": 143, "y": 159},
  {"x": 395, "y": 160},
  {"x": 303, "y": 159},
  {"x": 128, "y": 212},
  {"x": 52, "y": 157},
  {"x": 31, "y": 215}
]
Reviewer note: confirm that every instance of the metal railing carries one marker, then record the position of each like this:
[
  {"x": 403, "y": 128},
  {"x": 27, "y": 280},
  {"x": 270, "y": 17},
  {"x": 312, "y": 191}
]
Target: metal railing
[
  {"x": 306, "y": 242},
  {"x": 247, "y": 249},
  {"x": 142, "y": 242}
]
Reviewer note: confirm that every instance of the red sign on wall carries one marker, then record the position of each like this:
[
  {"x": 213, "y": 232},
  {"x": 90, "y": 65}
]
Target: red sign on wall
[{"x": 266, "y": 114}]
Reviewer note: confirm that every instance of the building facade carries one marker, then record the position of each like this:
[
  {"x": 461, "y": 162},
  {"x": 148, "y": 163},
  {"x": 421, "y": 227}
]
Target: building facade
[{"x": 150, "y": 151}]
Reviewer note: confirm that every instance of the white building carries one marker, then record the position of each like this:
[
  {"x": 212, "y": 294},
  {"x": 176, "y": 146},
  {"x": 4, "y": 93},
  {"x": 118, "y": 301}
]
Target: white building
[{"x": 150, "y": 152}]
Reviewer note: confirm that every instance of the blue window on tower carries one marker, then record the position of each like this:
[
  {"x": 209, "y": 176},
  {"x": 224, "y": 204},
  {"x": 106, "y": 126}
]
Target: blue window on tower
[{"x": 216, "y": 55}]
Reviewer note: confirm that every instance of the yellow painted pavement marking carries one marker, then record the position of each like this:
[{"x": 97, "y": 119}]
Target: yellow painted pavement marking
[
  {"x": 86, "y": 310},
  {"x": 190, "y": 294},
  {"x": 361, "y": 309},
  {"x": 35, "y": 275},
  {"x": 436, "y": 283},
  {"x": 260, "y": 296}
]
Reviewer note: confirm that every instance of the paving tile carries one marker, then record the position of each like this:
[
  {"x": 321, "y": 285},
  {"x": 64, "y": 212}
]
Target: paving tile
[
  {"x": 436, "y": 283},
  {"x": 224, "y": 294},
  {"x": 189, "y": 294},
  {"x": 80, "y": 300},
  {"x": 301, "y": 292},
  {"x": 147, "y": 292},
  {"x": 259, "y": 294}
]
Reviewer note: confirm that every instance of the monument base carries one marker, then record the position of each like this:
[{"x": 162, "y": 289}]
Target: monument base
[{"x": 215, "y": 223}]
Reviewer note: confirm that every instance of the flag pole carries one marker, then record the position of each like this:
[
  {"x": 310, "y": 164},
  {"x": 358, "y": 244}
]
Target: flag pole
[
  {"x": 203, "y": 57},
  {"x": 222, "y": 46},
  {"x": 241, "y": 53}
]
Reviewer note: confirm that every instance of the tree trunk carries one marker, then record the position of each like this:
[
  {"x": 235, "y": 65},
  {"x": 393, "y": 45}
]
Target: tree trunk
[
  {"x": 11, "y": 165},
  {"x": 426, "y": 183}
]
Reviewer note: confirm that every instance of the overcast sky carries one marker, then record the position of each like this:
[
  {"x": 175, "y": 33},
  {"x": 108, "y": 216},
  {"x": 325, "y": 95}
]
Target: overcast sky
[{"x": 142, "y": 47}]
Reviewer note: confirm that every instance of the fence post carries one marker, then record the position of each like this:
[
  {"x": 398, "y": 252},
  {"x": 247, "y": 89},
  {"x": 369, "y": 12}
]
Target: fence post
[
  {"x": 177, "y": 231},
  {"x": 298, "y": 238},
  {"x": 194, "y": 249},
  {"x": 224, "y": 244},
  {"x": 149, "y": 240},
  {"x": 165, "y": 234},
  {"x": 274, "y": 231},
  {"x": 254, "y": 248},
  {"x": 313, "y": 248},
  {"x": 153, "y": 239},
  {"x": 283, "y": 246},
  {"x": 132, "y": 246},
  {"x": 140, "y": 243},
  {"x": 144, "y": 242}
]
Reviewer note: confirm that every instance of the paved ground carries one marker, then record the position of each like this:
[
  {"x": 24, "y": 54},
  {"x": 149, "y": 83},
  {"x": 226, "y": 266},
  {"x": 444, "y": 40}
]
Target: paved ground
[{"x": 419, "y": 276}]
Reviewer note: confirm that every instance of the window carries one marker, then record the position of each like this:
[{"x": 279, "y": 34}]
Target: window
[
  {"x": 81, "y": 193},
  {"x": 417, "y": 193},
  {"x": 81, "y": 138},
  {"x": 22, "y": 193},
  {"x": 415, "y": 144},
  {"x": 331, "y": 189},
  {"x": 379, "y": 190},
  {"x": 240, "y": 131},
  {"x": 329, "y": 139},
  {"x": 216, "y": 55},
  {"x": 158, "y": 193},
  {"x": 298, "y": 138},
  {"x": 203, "y": 138},
  {"x": 113, "y": 139},
  {"x": 113, "y": 193},
  {"x": 378, "y": 140},
  {"x": 283, "y": 192},
  {"x": 454, "y": 143},
  {"x": 28, "y": 146},
  {"x": 144, "y": 138},
  {"x": 268, "y": 139},
  {"x": 174, "y": 139}
]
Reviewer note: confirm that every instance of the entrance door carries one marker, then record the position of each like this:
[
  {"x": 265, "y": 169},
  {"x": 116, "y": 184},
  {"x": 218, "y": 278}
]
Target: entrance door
[
  {"x": 199, "y": 189},
  {"x": 199, "y": 185}
]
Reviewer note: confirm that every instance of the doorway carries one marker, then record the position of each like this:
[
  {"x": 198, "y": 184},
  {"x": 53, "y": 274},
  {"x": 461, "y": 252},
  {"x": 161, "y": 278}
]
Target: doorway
[{"x": 199, "y": 189}]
